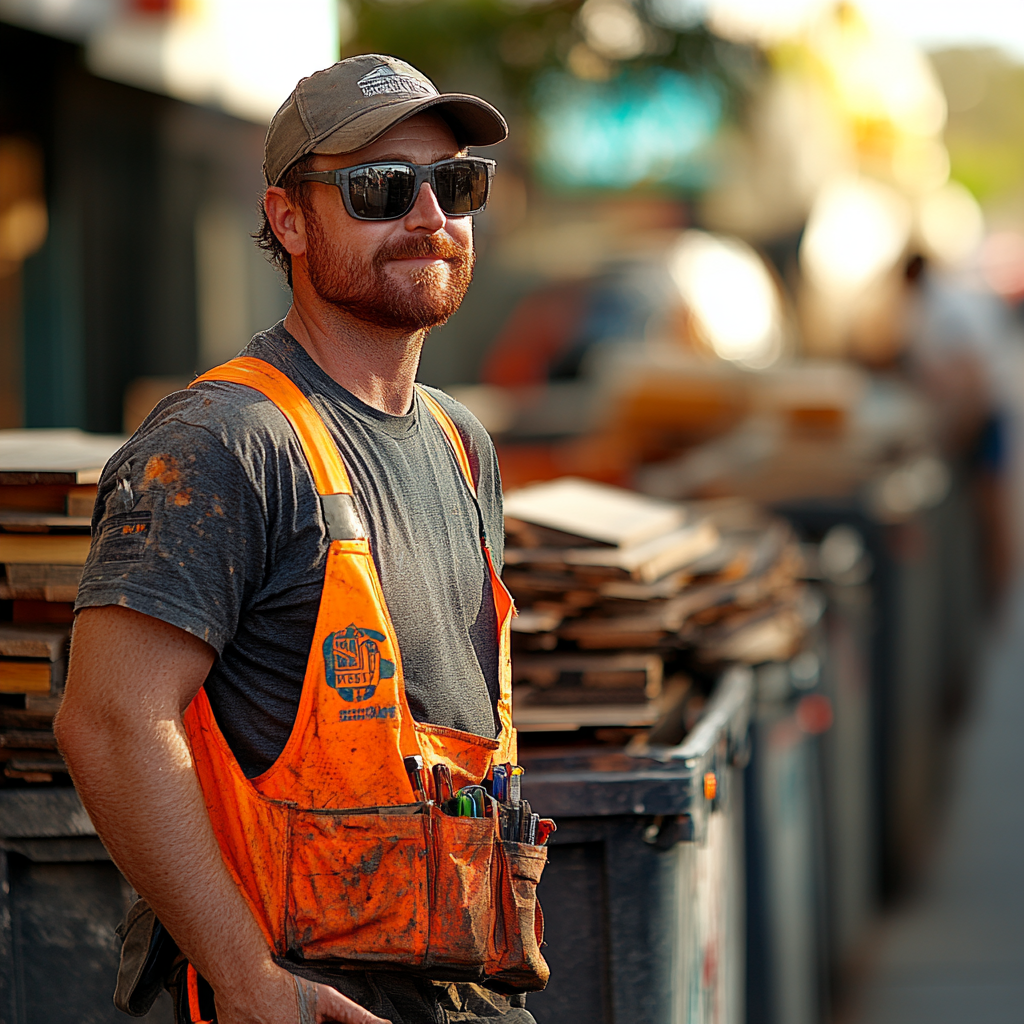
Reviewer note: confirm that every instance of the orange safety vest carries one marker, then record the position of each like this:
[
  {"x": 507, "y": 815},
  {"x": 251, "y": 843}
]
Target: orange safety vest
[{"x": 335, "y": 857}]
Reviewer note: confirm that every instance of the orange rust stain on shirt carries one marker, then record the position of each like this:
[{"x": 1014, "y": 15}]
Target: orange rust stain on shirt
[{"x": 163, "y": 469}]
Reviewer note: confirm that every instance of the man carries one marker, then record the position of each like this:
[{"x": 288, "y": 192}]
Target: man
[{"x": 215, "y": 526}]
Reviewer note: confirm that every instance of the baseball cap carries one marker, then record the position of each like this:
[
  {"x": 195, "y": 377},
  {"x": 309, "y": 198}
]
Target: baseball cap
[{"x": 351, "y": 103}]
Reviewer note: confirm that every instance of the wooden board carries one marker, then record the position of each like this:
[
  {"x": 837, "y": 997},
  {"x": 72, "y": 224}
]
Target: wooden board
[
  {"x": 647, "y": 666},
  {"x": 57, "y": 499},
  {"x": 28, "y": 739},
  {"x": 596, "y": 512},
  {"x": 81, "y": 501},
  {"x": 16, "y": 718},
  {"x": 42, "y": 522},
  {"x": 44, "y": 456},
  {"x": 646, "y": 563},
  {"x": 43, "y": 549},
  {"x": 29, "y": 640},
  {"x": 49, "y": 583},
  {"x": 568, "y": 719},
  {"x": 51, "y": 595},
  {"x": 18, "y": 676}
]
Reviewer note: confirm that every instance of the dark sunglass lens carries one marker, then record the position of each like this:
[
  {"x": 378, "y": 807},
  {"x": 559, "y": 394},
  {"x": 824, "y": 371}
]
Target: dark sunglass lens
[
  {"x": 461, "y": 186},
  {"x": 381, "y": 191}
]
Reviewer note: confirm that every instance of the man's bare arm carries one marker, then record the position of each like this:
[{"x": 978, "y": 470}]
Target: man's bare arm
[{"x": 120, "y": 729}]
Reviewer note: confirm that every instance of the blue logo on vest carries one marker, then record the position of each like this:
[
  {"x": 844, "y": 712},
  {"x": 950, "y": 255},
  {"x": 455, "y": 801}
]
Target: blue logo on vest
[{"x": 353, "y": 663}]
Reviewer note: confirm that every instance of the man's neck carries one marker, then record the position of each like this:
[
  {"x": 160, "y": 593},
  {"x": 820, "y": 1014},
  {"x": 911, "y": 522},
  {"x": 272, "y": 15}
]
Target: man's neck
[{"x": 377, "y": 365}]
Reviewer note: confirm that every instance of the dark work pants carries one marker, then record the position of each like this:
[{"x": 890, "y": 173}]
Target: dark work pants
[
  {"x": 404, "y": 999},
  {"x": 398, "y": 998}
]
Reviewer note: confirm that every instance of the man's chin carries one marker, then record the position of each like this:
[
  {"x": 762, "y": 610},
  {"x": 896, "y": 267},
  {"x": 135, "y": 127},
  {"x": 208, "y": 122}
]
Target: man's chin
[
  {"x": 399, "y": 300},
  {"x": 403, "y": 316},
  {"x": 409, "y": 276},
  {"x": 429, "y": 299}
]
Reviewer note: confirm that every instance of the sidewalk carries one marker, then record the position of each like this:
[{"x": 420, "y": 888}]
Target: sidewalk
[{"x": 956, "y": 954}]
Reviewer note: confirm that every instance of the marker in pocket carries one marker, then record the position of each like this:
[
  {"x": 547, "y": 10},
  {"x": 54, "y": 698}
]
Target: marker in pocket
[
  {"x": 515, "y": 789},
  {"x": 470, "y": 802},
  {"x": 499, "y": 783},
  {"x": 444, "y": 788},
  {"x": 414, "y": 768}
]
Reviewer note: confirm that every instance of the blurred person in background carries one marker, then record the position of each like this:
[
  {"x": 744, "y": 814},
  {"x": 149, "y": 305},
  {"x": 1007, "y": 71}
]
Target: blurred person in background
[
  {"x": 201, "y": 615},
  {"x": 958, "y": 345},
  {"x": 963, "y": 351}
]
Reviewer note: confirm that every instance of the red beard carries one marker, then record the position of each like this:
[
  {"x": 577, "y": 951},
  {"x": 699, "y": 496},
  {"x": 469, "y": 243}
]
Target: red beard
[{"x": 362, "y": 287}]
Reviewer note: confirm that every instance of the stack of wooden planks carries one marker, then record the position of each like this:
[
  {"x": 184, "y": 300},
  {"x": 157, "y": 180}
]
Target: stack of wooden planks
[
  {"x": 623, "y": 599},
  {"x": 47, "y": 491}
]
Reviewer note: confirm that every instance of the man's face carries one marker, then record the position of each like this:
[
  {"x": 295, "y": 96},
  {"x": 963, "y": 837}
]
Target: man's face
[{"x": 403, "y": 274}]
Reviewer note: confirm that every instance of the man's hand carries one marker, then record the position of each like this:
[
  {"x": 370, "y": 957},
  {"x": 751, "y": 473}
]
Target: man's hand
[
  {"x": 288, "y": 999},
  {"x": 130, "y": 679},
  {"x": 319, "y": 1003}
]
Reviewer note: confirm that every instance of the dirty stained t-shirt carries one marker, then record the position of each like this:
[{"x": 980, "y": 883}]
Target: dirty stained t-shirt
[{"x": 208, "y": 519}]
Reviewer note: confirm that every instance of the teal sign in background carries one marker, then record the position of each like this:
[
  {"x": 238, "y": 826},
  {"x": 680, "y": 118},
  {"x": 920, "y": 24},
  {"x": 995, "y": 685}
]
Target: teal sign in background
[{"x": 643, "y": 127}]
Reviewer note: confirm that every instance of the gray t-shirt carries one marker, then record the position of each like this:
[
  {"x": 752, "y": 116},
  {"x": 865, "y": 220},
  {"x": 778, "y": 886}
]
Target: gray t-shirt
[{"x": 208, "y": 519}]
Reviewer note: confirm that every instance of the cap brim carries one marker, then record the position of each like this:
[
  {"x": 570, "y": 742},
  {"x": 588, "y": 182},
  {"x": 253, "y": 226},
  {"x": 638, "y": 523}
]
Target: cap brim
[{"x": 475, "y": 122}]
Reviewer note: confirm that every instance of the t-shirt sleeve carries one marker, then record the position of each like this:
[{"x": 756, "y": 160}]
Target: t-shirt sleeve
[
  {"x": 483, "y": 461},
  {"x": 179, "y": 532}
]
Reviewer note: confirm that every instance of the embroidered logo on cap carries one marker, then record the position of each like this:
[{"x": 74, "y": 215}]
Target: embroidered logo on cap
[{"x": 383, "y": 79}]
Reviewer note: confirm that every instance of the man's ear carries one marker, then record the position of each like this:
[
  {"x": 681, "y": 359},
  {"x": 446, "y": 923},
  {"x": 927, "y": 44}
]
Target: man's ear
[{"x": 286, "y": 220}]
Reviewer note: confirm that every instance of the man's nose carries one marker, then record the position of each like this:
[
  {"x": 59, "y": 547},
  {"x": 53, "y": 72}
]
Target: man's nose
[{"x": 426, "y": 213}]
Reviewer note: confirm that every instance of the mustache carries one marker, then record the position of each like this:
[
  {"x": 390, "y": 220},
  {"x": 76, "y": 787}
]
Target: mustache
[{"x": 437, "y": 246}]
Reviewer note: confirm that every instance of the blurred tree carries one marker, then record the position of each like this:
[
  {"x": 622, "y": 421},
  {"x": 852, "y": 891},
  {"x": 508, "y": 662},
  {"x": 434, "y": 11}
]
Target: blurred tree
[
  {"x": 508, "y": 44},
  {"x": 985, "y": 128}
]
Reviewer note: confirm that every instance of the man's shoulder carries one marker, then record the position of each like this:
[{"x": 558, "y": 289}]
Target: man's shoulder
[
  {"x": 483, "y": 461},
  {"x": 229, "y": 411},
  {"x": 212, "y": 427},
  {"x": 232, "y": 409},
  {"x": 473, "y": 432}
]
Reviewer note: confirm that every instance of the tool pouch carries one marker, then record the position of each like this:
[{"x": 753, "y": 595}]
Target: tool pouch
[
  {"x": 357, "y": 886},
  {"x": 462, "y": 860},
  {"x": 147, "y": 956},
  {"x": 414, "y": 888},
  {"x": 516, "y": 964}
]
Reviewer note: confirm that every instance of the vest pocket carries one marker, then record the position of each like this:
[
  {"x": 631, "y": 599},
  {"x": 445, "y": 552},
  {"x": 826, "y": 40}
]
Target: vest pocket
[
  {"x": 357, "y": 887},
  {"x": 516, "y": 964},
  {"x": 462, "y": 911}
]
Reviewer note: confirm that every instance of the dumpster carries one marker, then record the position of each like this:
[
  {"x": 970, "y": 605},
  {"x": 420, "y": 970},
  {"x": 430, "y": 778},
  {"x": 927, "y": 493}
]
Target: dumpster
[
  {"x": 643, "y": 893},
  {"x": 787, "y": 951},
  {"x": 917, "y": 635},
  {"x": 60, "y": 901},
  {"x": 811, "y": 846},
  {"x": 846, "y": 771}
]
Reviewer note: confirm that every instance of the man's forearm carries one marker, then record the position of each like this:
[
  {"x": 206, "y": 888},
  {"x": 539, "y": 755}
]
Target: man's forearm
[
  {"x": 120, "y": 729},
  {"x": 148, "y": 810},
  {"x": 125, "y": 745}
]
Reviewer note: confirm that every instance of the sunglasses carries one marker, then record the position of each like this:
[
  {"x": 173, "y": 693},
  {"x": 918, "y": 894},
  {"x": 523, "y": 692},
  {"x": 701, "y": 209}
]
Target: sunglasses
[{"x": 388, "y": 190}]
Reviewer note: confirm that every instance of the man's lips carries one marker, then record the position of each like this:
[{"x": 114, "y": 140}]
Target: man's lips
[
  {"x": 425, "y": 253},
  {"x": 421, "y": 262}
]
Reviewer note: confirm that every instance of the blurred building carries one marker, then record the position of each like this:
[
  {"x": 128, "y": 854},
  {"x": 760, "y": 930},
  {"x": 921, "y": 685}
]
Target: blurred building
[{"x": 131, "y": 136}]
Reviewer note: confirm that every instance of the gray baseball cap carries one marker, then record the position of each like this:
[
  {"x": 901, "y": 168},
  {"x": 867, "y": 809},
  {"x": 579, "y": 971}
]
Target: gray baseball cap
[{"x": 351, "y": 103}]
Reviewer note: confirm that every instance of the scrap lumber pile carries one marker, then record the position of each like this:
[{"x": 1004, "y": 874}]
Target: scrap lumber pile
[
  {"x": 624, "y": 600},
  {"x": 47, "y": 491}
]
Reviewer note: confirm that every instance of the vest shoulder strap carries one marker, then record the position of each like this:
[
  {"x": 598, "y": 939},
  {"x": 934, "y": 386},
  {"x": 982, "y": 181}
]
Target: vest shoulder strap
[
  {"x": 322, "y": 455},
  {"x": 451, "y": 432}
]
